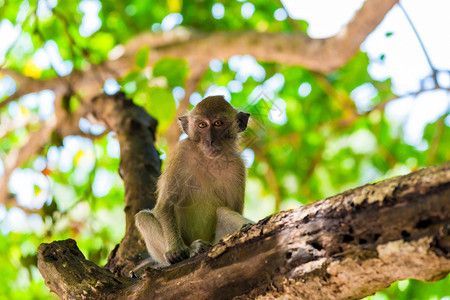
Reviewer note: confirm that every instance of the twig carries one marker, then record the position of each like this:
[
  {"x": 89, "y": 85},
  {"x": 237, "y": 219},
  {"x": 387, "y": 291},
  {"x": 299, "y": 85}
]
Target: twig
[
  {"x": 433, "y": 69},
  {"x": 84, "y": 52}
]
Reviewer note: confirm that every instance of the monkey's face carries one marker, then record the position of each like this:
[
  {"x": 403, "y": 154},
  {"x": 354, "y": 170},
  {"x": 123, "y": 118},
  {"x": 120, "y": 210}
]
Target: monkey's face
[
  {"x": 214, "y": 124},
  {"x": 214, "y": 135}
]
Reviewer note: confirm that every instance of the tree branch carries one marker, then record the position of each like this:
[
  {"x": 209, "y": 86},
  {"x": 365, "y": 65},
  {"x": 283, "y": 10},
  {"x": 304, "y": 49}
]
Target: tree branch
[
  {"x": 322, "y": 55},
  {"x": 18, "y": 156},
  {"x": 61, "y": 256},
  {"x": 26, "y": 85},
  {"x": 65, "y": 123},
  {"x": 346, "y": 246},
  {"x": 139, "y": 168}
]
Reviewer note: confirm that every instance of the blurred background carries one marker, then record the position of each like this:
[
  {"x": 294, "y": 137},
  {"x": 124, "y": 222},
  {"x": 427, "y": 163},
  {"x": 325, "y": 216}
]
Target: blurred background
[{"x": 312, "y": 135}]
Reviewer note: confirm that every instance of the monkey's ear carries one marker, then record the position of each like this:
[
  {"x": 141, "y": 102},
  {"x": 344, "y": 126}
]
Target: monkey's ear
[
  {"x": 184, "y": 123},
  {"x": 242, "y": 119}
]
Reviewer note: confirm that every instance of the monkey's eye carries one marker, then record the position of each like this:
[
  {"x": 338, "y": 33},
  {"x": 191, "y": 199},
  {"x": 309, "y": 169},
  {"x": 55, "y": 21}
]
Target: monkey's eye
[
  {"x": 202, "y": 124},
  {"x": 218, "y": 123}
]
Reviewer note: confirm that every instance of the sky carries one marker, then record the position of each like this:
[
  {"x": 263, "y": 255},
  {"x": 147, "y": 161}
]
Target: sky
[{"x": 404, "y": 62}]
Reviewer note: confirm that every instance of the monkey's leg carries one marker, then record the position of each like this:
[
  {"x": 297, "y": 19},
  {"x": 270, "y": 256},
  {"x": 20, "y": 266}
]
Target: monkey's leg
[
  {"x": 152, "y": 233},
  {"x": 229, "y": 221}
]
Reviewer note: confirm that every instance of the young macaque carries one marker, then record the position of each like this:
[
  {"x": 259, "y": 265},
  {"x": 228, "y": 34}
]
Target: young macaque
[{"x": 201, "y": 192}]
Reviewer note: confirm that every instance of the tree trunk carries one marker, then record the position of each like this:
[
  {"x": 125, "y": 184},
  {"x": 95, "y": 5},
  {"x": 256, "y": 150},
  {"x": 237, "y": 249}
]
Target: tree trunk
[{"x": 139, "y": 168}]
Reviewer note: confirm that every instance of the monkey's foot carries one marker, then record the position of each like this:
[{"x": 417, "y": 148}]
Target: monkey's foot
[
  {"x": 247, "y": 224},
  {"x": 177, "y": 254},
  {"x": 199, "y": 246}
]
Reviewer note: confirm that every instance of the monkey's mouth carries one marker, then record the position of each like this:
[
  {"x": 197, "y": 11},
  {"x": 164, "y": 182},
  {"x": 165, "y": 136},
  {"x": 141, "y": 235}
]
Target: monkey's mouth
[{"x": 211, "y": 152}]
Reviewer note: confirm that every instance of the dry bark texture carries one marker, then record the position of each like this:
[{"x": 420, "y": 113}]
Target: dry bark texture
[
  {"x": 139, "y": 168},
  {"x": 344, "y": 247}
]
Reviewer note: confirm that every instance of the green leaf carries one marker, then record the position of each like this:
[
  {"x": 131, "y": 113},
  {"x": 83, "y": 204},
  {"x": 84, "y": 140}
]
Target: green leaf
[
  {"x": 142, "y": 57},
  {"x": 174, "y": 69},
  {"x": 102, "y": 43},
  {"x": 161, "y": 105}
]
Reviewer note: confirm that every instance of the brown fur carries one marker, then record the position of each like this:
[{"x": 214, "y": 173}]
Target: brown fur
[{"x": 201, "y": 192}]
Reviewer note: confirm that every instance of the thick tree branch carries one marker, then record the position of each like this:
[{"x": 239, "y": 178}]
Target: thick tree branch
[
  {"x": 344, "y": 247},
  {"x": 322, "y": 55},
  {"x": 65, "y": 256}
]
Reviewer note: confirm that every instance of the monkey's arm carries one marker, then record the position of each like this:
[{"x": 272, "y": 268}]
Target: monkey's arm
[
  {"x": 236, "y": 202},
  {"x": 176, "y": 249}
]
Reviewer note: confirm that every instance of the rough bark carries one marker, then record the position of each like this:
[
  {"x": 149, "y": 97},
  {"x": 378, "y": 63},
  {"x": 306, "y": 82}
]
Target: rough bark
[
  {"x": 139, "y": 168},
  {"x": 344, "y": 247}
]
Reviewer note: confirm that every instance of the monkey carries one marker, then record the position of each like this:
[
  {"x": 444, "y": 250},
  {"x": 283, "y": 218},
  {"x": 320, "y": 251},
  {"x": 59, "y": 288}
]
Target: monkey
[{"x": 201, "y": 191}]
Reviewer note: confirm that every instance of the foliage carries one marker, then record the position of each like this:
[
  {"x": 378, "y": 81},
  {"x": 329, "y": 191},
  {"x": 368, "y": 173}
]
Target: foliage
[{"x": 308, "y": 137}]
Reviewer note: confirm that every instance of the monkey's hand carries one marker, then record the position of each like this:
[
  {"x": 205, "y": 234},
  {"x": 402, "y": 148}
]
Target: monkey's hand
[
  {"x": 199, "y": 246},
  {"x": 177, "y": 254}
]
